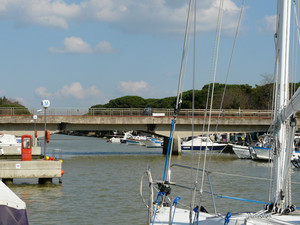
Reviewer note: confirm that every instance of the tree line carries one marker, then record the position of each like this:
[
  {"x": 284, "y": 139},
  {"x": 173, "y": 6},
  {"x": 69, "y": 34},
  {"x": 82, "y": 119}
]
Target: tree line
[
  {"x": 236, "y": 96},
  {"x": 5, "y": 102},
  {"x": 10, "y": 103}
]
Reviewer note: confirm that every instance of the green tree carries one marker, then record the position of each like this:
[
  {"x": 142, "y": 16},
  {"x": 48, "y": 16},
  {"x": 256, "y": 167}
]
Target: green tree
[
  {"x": 262, "y": 97},
  {"x": 236, "y": 96},
  {"x": 9, "y": 103},
  {"x": 126, "y": 102}
]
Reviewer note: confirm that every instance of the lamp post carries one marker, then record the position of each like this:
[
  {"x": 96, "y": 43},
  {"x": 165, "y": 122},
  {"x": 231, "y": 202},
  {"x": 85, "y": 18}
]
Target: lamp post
[
  {"x": 45, "y": 104},
  {"x": 34, "y": 135},
  {"x": 40, "y": 111}
]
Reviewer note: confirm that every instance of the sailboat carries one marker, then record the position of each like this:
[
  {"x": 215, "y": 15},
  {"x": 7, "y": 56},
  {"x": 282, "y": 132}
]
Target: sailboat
[
  {"x": 162, "y": 209},
  {"x": 12, "y": 208}
]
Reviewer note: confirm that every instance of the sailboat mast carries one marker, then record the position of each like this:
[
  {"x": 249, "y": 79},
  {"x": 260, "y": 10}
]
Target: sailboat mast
[
  {"x": 284, "y": 45},
  {"x": 283, "y": 42}
]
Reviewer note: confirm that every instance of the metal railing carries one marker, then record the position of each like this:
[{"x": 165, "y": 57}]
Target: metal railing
[
  {"x": 10, "y": 111},
  {"x": 183, "y": 112}
]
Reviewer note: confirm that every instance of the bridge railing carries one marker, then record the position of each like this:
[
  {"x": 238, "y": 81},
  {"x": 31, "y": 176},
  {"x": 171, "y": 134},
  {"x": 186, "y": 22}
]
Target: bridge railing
[
  {"x": 11, "y": 111},
  {"x": 228, "y": 113},
  {"x": 182, "y": 113}
]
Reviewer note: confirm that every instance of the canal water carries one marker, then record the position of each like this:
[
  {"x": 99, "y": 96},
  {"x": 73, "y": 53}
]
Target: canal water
[{"x": 101, "y": 183}]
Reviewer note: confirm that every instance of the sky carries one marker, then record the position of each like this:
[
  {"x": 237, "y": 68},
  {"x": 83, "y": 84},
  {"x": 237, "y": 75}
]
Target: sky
[{"x": 79, "y": 53}]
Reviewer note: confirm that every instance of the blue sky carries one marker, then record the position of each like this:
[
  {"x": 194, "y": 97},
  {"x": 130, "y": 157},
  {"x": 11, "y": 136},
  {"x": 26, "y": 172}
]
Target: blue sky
[{"x": 82, "y": 53}]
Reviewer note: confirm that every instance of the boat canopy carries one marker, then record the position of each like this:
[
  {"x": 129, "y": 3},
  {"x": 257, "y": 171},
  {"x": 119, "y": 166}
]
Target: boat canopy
[{"x": 12, "y": 208}]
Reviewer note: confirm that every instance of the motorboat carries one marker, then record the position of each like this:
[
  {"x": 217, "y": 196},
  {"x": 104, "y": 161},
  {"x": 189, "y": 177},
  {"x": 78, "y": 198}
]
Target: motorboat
[
  {"x": 151, "y": 142},
  {"x": 241, "y": 151},
  {"x": 135, "y": 140},
  {"x": 9, "y": 140},
  {"x": 202, "y": 143},
  {"x": 115, "y": 140}
]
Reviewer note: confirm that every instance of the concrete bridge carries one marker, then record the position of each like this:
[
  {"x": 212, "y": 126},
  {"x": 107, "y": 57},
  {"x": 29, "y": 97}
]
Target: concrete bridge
[{"x": 156, "y": 121}]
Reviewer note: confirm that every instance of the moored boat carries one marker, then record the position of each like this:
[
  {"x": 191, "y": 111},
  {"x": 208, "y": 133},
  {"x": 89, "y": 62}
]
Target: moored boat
[
  {"x": 12, "y": 208},
  {"x": 202, "y": 143},
  {"x": 241, "y": 151},
  {"x": 9, "y": 140},
  {"x": 152, "y": 142},
  {"x": 115, "y": 140}
]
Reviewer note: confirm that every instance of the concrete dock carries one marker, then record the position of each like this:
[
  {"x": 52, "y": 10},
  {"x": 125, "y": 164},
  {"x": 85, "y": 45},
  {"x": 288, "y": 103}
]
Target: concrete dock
[
  {"x": 44, "y": 170},
  {"x": 15, "y": 152}
]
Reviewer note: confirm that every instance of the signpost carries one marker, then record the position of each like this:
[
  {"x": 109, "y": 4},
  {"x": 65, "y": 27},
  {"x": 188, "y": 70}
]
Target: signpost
[
  {"x": 45, "y": 104},
  {"x": 34, "y": 135}
]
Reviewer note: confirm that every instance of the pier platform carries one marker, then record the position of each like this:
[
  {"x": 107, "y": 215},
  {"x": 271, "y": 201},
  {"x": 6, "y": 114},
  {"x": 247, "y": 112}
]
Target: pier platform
[
  {"x": 44, "y": 170},
  {"x": 15, "y": 152}
]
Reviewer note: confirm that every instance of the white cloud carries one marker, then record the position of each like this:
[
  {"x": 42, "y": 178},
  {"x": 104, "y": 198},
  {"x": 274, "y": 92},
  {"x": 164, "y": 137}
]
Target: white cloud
[
  {"x": 160, "y": 16},
  {"x": 46, "y": 13},
  {"x": 104, "y": 47},
  {"x": 73, "y": 45},
  {"x": 42, "y": 92},
  {"x": 156, "y": 16},
  {"x": 268, "y": 25},
  {"x": 52, "y": 21},
  {"x": 77, "y": 45},
  {"x": 74, "y": 90},
  {"x": 131, "y": 87}
]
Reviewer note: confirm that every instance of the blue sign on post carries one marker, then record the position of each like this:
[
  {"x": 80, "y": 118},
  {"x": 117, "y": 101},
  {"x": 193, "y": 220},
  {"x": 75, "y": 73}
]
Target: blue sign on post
[{"x": 45, "y": 103}]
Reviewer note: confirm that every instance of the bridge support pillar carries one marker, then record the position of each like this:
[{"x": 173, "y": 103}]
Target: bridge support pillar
[{"x": 176, "y": 146}]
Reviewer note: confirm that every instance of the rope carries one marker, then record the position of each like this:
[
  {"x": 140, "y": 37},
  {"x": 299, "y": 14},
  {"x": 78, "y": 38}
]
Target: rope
[
  {"x": 227, "y": 174},
  {"x": 193, "y": 193},
  {"x": 208, "y": 91},
  {"x": 168, "y": 151},
  {"x": 293, "y": 55},
  {"x": 158, "y": 201},
  {"x": 297, "y": 21},
  {"x": 274, "y": 106},
  {"x": 179, "y": 91},
  {"x": 290, "y": 186},
  {"x": 150, "y": 186},
  {"x": 175, "y": 204},
  {"x": 230, "y": 62},
  {"x": 149, "y": 206},
  {"x": 184, "y": 54},
  {"x": 214, "y": 77},
  {"x": 196, "y": 217},
  {"x": 227, "y": 218}
]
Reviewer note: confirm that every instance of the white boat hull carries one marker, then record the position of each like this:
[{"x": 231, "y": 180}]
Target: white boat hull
[
  {"x": 152, "y": 143},
  {"x": 132, "y": 142},
  {"x": 260, "y": 153},
  {"x": 115, "y": 140},
  {"x": 242, "y": 152},
  {"x": 202, "y": 143},
  {"x": 182, "y": 217}
]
